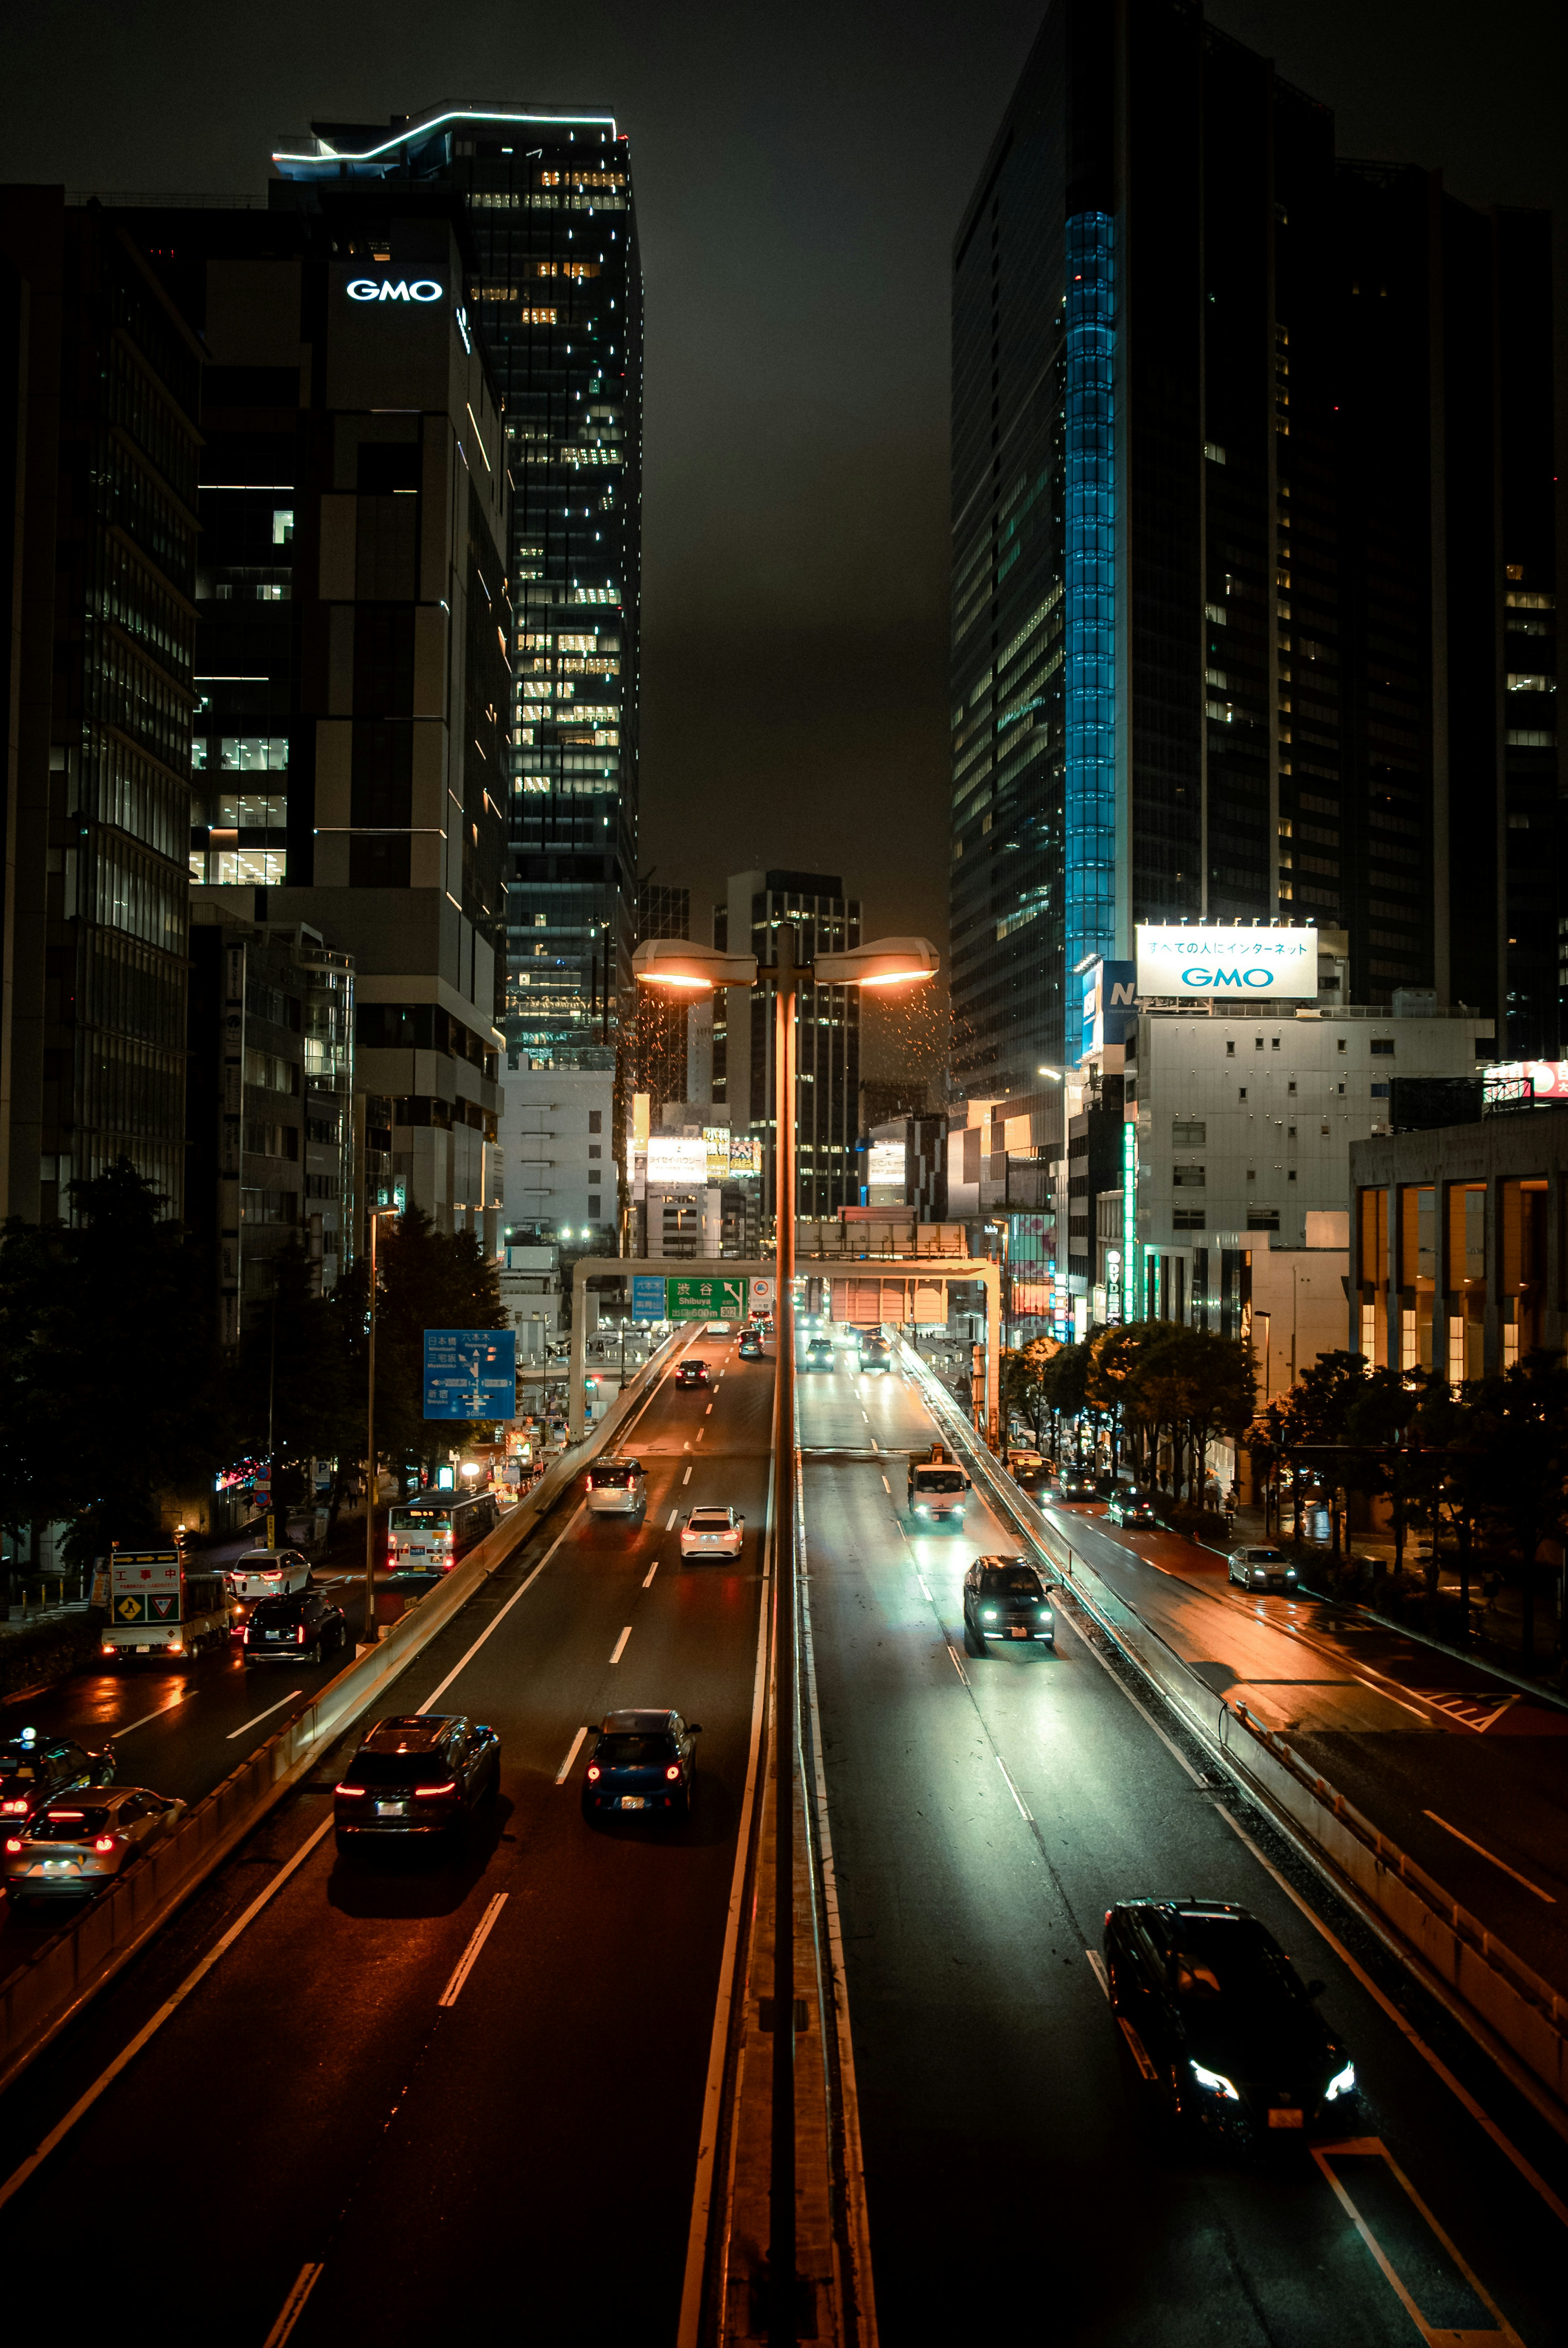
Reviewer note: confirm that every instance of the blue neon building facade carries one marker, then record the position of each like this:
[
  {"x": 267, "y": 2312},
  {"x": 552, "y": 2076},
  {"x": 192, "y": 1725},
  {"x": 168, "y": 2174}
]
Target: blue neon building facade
[{"x": 1090, "y": 578}]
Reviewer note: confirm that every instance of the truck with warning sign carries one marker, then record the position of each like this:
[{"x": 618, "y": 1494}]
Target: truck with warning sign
[{"x": 161, "y": 1608}]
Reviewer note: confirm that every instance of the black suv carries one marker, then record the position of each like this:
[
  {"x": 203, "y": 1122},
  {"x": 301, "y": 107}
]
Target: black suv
[
  {"x": 298, "y": 1629},
  {"x": 35, "y": 1766},
  {"x": 1221, "y": 2025},
  {"x": 417, "y": 1776},
  {"x": 1004, "y": 1598},
  {"x": 691, "y": 1374}
]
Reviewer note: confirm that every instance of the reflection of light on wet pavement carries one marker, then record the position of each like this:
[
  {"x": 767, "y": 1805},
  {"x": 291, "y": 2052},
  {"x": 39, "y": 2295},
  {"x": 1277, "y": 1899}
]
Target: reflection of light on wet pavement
[{"x": 1283, "y": 1704}]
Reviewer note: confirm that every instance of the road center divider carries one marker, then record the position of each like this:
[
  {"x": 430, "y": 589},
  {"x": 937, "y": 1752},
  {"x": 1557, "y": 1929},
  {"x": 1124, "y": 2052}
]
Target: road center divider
[
  {"x": 50, "y": 1989},
  {"x": 1505, "y": 2003}
]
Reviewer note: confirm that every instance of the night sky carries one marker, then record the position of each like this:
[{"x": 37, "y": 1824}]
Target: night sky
[{"x": 800, "y": 171}]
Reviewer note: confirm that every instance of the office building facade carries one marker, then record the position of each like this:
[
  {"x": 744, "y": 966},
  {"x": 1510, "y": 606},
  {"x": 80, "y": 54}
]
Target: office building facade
[
  {"x": 555, "y": 291},
  {"x": 352, "y": 734},
  {"x": 824, "y": 921},
  {"x": 1254, "y": 571},
  {"x": 100, "y": 437}
]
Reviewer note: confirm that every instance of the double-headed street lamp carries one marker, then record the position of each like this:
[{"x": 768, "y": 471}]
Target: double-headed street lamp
[
  {"x": 884, "y": 962},
  {"x": 370, "y": 1480}
]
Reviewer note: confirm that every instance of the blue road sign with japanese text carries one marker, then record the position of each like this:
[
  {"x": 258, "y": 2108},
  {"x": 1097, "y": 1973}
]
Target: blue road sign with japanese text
[
  {"x": 470, "y": 1374},
  {"x": 646, "y": 1297}
]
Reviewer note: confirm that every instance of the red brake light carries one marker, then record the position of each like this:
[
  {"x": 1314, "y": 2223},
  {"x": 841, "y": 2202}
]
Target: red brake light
[
  {"x": 592, "y": 1772},
  {"x": 300, "y": 1634},
  {"x": 13, "y": 1842},
  {"x": 673, "y": 1771},
  {"x": 16, "y": 1809},
  {"x": 434, "y": 1793},
  {"x": 358, "y": 1792},
  {"x": 104, "y": 1842}
]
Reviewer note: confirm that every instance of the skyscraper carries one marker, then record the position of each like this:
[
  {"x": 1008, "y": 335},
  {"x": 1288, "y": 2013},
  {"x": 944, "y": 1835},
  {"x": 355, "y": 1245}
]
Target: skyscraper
[
  {"x": 824, "y": 921},
  {"x": 556, "y": 294},
  {"x": 1254, "y": 581},
  {"x": 100, "y": 440}
]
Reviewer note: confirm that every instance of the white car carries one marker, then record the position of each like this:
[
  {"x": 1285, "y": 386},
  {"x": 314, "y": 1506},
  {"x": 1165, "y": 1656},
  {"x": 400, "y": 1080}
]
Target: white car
[
  {"x": 1256, "y": 1567},
  {"x": 712, "y": 1532},
  {"x": 264, "y": 1573},
  {"x": 720, "y": 1329}
]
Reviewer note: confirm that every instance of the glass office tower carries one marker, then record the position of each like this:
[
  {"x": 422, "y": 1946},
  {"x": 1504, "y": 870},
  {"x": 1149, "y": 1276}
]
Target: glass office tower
[
  {"x": 1253, "y": 583},
  {"x": 557, "y": 297}
]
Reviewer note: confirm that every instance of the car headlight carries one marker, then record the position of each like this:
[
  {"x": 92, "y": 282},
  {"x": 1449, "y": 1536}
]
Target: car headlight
[
  {"x": 1290, "y": 1573},
  {"x": 1215, "y": 2082},
  {"x": 1042, "y": 1614},
  {"x": 988, "y": 1613},
  {"x": 1343, "y": 2083}
]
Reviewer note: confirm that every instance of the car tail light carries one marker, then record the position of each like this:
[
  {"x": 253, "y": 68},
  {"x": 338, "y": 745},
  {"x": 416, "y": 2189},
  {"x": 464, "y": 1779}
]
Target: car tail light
[
  {"x": 435, "y": 1793},
  {"x": 673, "y": 1771},
  {"x": 14, "y": 1810},
  {"x": 104, "y": 1842},
  {"x": 357, "y": 1792},
  {"x": 299, "y": 1634},
  {"x": 593, "y": 1773},
  {"x": 13, "y": 1842},
  {"x": 107, "y": 1649}
]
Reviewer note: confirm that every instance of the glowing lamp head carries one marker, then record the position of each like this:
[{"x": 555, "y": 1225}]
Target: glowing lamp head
[
  {"x": 885, "y": 961},
  {"x": 690, "y": 969}
]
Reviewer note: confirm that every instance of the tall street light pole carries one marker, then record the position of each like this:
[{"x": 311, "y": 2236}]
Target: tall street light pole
[
  {"x": 371, "y": 1478},
  {"x": 884, "y": 962}
]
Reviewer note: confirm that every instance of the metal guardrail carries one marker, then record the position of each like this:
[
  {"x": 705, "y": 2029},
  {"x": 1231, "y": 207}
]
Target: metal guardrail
[
  {"x": 42, "y": 1995},
  {"x": 1508, "y": 1997}
]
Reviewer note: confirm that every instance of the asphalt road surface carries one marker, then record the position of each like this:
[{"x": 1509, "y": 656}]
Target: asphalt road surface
[
  {"x": 430, "y": 2094},
  {"x": 985, "y": 1813}
]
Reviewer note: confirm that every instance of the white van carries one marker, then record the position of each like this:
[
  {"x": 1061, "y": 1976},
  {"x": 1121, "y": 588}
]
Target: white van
[
  {"x": 615, "y": 1485},
  {"x": 263, "y": 1573}
]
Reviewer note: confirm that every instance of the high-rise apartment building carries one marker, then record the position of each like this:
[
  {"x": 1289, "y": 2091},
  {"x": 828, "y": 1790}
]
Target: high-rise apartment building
[
  {"x": 555, "y": 291},
  {"x": 1254, "y": 571},
  {"x": 657, "y": 1032},
  {"x": 824, "y": 921},
  {"x": 98, "y": 468}
]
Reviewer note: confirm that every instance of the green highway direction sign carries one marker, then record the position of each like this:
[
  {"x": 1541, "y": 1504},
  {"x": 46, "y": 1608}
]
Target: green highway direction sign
[{"x": 706, "y": 1299}]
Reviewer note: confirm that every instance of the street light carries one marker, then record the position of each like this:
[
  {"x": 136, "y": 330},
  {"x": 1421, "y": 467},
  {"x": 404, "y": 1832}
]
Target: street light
[
  {"x": 370, "y": 1475},
  {"x": 1055, "y": 1074},
  {"x": 882, "y": 963}
]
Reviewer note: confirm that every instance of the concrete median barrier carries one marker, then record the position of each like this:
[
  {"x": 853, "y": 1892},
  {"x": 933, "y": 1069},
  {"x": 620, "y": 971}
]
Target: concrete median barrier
[
  {"x": 43, "y": 1994},
  {"x": 1491, "y": 1987}
]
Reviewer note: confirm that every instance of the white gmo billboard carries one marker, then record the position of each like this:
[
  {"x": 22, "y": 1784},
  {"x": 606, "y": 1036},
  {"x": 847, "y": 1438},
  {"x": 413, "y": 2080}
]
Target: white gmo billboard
[{"x": 1244, "y": 965}]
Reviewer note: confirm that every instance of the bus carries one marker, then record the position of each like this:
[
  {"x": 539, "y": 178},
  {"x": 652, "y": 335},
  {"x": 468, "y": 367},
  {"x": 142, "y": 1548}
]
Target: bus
[{"x": 430, "y": 1533}]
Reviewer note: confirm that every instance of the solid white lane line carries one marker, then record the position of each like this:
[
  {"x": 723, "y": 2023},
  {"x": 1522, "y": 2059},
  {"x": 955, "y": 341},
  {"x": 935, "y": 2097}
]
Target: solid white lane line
[
  {"x": 260, "y": 1716},
  {"x": 564, "y": 1772},
  {"x": 293, "y": 2306},
  {"x": 1013, "y": 1790},
  {"x": 887, "y": 1488},
  {"x": 433, "y": 1698},
  {"x": 128, "y": 2052},
  {"x": 670, "y": 1520},
  {"x": 1097, "y": 1963},
  {"x": 1550, "y": 1897},
  {"x": 712, "y": 2092},
  {"x": 1363, "y": 2145},
  {"x": 650, "y": 1572},
  {"x": 181, "y": 1696},
  {"x": 924, "y": 1591},
  {"x": 620, "y": 1644},
  {"x": 686, "y": 1478},
  {"x": 953, "y": 1653},
  {"x": 1406, "y": 2029},
  {"x": 465, "y": 1964}
]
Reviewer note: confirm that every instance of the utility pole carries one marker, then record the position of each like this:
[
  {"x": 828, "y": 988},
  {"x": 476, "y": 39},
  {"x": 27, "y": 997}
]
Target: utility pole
[
  {"x": 782, "y": 2184},
  {"x": 370, "y": 1475}
]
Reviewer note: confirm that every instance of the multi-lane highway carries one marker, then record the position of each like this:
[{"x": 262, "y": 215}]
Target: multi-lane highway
[
  {"x": 985, "y": 1812},
  {"x": 406, "y": 2096},
  {"x": 426, "y": 2096}
]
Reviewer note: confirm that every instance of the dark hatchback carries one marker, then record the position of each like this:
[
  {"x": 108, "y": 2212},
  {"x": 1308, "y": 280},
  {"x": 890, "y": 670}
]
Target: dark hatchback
[
  {"x": 1128, "y": 1507},
  {"x": 1004, "y": 1598},
  {"x": 1223, "y": 2029},
  {"x": 416, "y": 1779},
  {"x": 297, "y": 1630},
  {"x": 751, "y": 1349},
  {"x": 691, "y": 1374},
  {"x": 34, "y": 1767},
  {"x": 642, "y": 1762}
]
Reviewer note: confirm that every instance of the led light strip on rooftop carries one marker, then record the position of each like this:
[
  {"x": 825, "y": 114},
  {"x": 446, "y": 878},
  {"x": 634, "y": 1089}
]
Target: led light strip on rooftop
[{"x": 417, "y": 130}]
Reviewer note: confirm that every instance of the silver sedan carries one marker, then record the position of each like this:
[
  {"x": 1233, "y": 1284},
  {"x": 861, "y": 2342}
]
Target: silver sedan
[
  {"x": 712, "y": 1532},
  {"x": 1259, "y": 1568},
  {"x": 79, "y": 1842}
]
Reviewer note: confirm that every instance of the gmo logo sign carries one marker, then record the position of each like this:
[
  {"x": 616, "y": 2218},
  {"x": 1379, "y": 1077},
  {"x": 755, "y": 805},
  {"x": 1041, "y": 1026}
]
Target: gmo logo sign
[
  {"x": 1259, "y": 980},
  {"x": 416, "y": 289}
]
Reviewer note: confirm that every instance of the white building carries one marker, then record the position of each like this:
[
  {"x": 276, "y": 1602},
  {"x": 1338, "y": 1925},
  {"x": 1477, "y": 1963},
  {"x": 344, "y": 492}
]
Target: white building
[
  {"x": 558, "y": 1162},
  {"x": 1239, "y": 1126}
]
